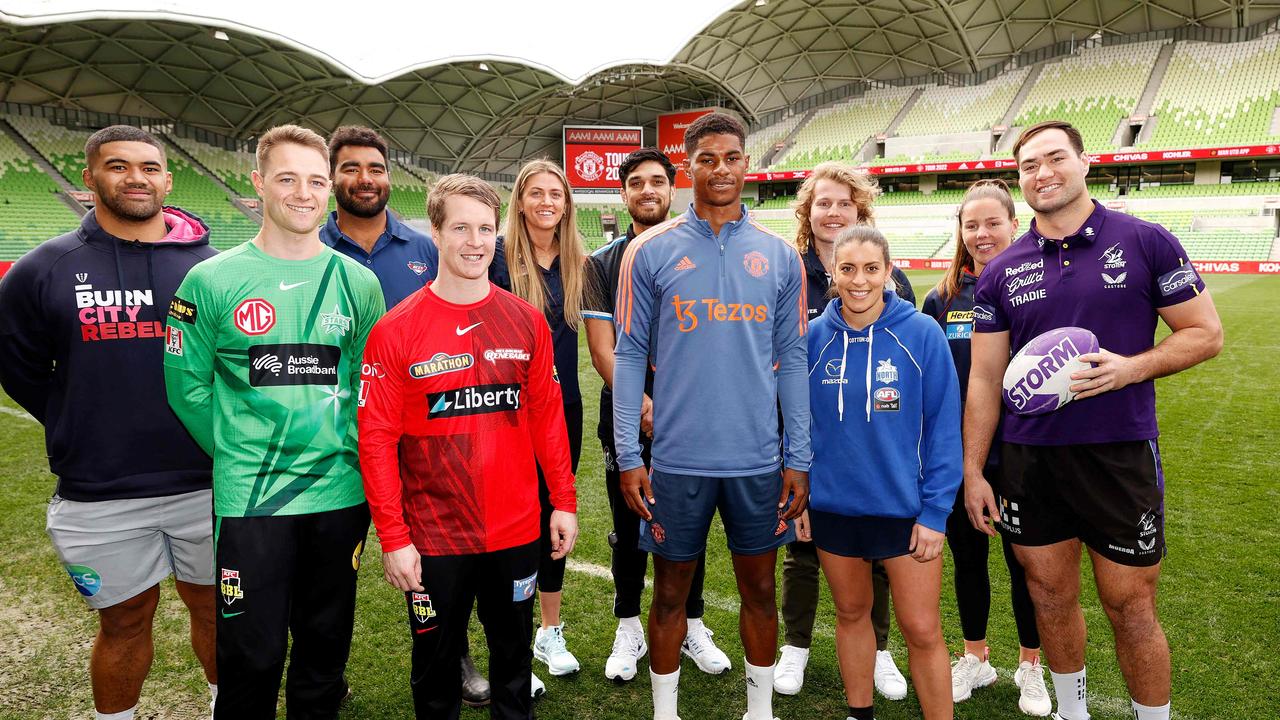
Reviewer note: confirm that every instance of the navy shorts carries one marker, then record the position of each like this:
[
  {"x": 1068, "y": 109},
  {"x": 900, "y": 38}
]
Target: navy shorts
[
  {"x": 684, "y": 505},
  {"x": 866, "y": 537}
]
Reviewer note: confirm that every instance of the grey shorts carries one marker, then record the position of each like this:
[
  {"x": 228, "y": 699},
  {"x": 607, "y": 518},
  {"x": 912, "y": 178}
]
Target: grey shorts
[{"x": 115, "y": 549}]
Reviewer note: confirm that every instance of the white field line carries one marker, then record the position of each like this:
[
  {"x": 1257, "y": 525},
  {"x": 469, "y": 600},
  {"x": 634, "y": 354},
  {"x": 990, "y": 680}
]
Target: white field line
[
  {"x": 17, "y": 413},
  {"x": 1117, "y": 707}
]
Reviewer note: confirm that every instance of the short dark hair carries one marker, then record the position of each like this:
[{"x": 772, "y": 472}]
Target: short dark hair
[
  {"x": 119, "y": 133},
  {"x": 644, "y": 155},
  {"x": 712, "y": 124},
  {"x": 354, "y": 136},
  {"x": 1073, "y": 135}
]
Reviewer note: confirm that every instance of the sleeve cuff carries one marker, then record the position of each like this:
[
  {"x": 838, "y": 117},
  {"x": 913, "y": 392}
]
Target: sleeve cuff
[{"x": 934, "y": 518}]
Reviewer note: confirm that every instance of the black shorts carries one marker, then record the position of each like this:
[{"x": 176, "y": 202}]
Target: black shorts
[
  {"x": 1108, "y": 495},
  {"x": 866, "y": 537}
]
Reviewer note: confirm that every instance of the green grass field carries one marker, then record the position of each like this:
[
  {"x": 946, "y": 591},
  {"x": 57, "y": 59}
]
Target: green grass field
[{"x": 1219, "y": 601}]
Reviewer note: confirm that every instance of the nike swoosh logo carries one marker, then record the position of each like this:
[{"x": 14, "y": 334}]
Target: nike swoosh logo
[
  {"x": 291, "y": 286},
  {"x": 419, "y": 631},
  {"x": 226, "y": 614},
  {"x": 464, "y": 330}
]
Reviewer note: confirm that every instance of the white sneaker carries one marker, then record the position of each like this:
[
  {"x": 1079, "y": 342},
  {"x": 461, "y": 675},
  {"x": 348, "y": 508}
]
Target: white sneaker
[
  {"x": 549, "y": 647},
  {"x": 1034, "y": 698},
  {"x": 699, "y": 646},
  {"x": 889, "y": 680},
  {"x": 536, "y": 687},
  {"x": 788, "y": 674},
  {"x": 628, "y": 648},
  {"x": 969, "y": 673}
]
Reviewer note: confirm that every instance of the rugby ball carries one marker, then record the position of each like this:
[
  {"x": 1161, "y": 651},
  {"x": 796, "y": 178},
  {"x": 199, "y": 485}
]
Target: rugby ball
[{"x": 1038, "y": 379}]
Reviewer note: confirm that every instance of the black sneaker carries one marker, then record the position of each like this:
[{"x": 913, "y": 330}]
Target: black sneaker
[{"x": 475, "y": 687}]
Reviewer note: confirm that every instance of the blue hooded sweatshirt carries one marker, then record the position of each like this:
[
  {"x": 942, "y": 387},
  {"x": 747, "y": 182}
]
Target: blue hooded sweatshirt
[{"x": 885, "y": 407}]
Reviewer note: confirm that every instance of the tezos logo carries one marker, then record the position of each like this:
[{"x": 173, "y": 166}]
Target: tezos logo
[
  {"x": 474, "y": 400},
  {"x": 590, "y": 166},
  {"x": 254, "y": 316},
  {"x": 293, "y": 364}
]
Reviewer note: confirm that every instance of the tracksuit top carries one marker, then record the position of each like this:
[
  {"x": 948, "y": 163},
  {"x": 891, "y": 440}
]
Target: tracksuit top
[
  {"x": 721, "y": 318},
  {"x": 456, "y": 403},
  {"x": 886, "y": 416},
  {"x": 81, "y": 332}
]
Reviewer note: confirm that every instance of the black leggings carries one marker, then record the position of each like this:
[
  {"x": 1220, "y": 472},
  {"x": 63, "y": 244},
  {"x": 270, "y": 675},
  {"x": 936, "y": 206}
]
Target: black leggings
[
  {"x": 551, "y": 572},
  {"x": 973, "y": 582}
]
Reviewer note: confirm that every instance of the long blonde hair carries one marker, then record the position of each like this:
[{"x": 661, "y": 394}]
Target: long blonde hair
[
  {"x": 861, "y": 186},
  {"x": 522, "y": 262},
  {"x": 995, "y": 188}
]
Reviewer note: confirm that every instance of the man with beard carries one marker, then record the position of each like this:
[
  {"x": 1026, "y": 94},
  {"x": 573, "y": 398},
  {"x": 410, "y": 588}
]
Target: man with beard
[
  {"x": 80, "y": 349},
  {"x": 648, "y": 179},
  {"x": 362, "y": 228}
]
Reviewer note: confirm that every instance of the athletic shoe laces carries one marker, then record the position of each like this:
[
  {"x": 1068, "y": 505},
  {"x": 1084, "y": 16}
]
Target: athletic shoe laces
[
  {"x": 964, "y": 669},
  {"x": 696, "y": 638},
  {"x": 790, "y": 663},
  {"x": 625, "y": 642},
  {"x": 553, "y": 642},
  {"x": 1033, "y": 683}
]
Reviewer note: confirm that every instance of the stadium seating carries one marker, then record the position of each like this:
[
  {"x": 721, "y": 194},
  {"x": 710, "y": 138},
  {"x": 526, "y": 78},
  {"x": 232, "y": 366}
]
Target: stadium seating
[
  {"x": 408, "y": 194},
  {"x": 233, "y": 167},
  {"x": 948, "y": 109},
  {"x": 1217, "y": 94},
  {"x": 30, "y": 211},
  {"x": 590, "y": 228},
  {"x": 1093, "y": 90},
  {"x": 840, "y": 131},
  {"x": 761, "y": 141}
]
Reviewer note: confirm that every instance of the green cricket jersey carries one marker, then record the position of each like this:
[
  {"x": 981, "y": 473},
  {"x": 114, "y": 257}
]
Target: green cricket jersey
[{"x": 262, "y": 365}]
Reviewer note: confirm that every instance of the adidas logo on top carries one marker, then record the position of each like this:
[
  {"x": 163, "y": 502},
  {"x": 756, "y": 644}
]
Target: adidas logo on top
[{"x": 685, "y": 264}]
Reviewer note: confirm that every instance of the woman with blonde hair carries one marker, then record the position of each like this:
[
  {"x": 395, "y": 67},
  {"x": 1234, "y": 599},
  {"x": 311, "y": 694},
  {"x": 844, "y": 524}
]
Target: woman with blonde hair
[
  {"x": 986, "y": 225},
  {"x": 541, "y": 259},
  {"x": 834, "y": 198}
]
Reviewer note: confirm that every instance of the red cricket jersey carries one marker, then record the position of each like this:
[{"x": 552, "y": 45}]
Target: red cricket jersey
[{"x": 456, "y": 401}]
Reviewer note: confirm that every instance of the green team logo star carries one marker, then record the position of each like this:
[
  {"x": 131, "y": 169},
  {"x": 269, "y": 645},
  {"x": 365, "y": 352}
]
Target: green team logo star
[{"x": 335, "y": 323}]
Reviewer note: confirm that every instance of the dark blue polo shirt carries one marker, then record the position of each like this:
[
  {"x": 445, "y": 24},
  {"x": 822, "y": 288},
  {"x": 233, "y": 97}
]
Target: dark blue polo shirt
[
  {"x": 564, "y": 338},
  {"x": 404, "y": 259},
  {"x": 1110, "y": 277}
]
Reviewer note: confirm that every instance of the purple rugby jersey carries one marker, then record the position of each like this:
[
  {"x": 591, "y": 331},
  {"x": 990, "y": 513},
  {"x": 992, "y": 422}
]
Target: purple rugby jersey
[{"x": 1110, "y": 277}]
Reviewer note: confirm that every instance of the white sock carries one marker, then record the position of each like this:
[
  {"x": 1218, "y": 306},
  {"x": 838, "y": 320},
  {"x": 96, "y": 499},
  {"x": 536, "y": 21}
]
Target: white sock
[
  {"x": 1071, "y": 690},
  {"x": 666, "y": 688},
  {"x": 122, "y": 715},
  {"x": 632, "y": 622},
  {"x": 694, "y": 624},
  {"x": 213, "y": 690},
  {"x": 1145, "y": 712},
  {"x": 759, "y": 691}
]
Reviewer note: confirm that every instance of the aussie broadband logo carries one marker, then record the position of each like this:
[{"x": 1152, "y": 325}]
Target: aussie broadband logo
[
  {"x": 474, "y": 400},
  {"x": 293, "y": 364},
  {"x": 439, "y": 364}
]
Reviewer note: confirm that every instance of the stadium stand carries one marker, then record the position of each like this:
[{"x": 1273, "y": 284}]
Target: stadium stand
[
  {"x": 1094, "y": 90},
  {"x": 840, "y": 131},
  {"x": 1217, "y": 94},
  {"x": 30, "y": 211},
  {"x": 408, "y": 194},
  {"x": 233, "y": 167},
  {"x": 944, "y": 108},
  {"x": 590, "y": 227},
  {"x": 761, "y": 141}
]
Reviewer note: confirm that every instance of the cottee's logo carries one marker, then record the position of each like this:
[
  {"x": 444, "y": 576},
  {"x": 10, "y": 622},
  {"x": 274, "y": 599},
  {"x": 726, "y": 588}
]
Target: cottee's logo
[{"x": 714, "y": 310}]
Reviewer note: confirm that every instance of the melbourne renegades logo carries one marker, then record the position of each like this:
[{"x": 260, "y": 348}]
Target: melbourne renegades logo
[
  {"x": 254, "y": 316},
  {"x": 756, "y": 263}
]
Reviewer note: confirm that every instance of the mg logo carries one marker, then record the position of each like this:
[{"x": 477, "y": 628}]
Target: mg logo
[{"x": 255, "y": 316}]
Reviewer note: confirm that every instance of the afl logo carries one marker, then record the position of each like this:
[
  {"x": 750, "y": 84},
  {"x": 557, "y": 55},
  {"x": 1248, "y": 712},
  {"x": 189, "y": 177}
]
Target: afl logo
[
  {"x": 255, "y": 316},
  {"x": 756, "y": 263},
  {"x": 589, "y": 165}
]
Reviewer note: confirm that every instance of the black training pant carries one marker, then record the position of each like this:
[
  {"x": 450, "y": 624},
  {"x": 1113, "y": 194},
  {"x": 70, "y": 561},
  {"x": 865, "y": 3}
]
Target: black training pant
[
  {"x": 501, "y": 585},
  {"x": 551, "y": 572},
  {"x": 278, "y": 576},
  {"x": 629, "y": 563}
]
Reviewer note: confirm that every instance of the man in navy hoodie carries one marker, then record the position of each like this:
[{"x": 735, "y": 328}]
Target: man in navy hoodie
[{"x": 81, "y": 336}]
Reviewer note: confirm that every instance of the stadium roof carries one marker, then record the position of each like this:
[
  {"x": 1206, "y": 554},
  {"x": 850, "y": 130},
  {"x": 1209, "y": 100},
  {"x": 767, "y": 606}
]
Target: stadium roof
[{"x": 467, "y": 87}]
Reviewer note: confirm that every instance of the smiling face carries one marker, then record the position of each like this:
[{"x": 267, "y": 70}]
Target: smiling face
[
  {"x": 647, "y": 193},
  {"x": 466, "y": 238},
  {"x": 718, "y": 167},
  {"x": 294, "y": 187},
  {"x": 1050, "y": 172},
  {"x": 361, "y": 182},
  {"x": 130, "y": 180},
  {"x": 832, "y": 210},
  {"x": 986, "y": 230},
  {"x": 542, "y": 202},
  {"x": 861, "y": 273}
]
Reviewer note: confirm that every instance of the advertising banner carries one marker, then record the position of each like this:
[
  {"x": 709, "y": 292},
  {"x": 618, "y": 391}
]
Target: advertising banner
[
  {"x": 671, "y": 139},
  {"x": 592, "y": 155}
]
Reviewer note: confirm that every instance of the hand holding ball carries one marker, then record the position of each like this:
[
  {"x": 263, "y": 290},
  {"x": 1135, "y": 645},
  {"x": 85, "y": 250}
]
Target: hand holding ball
[{"x": 1038, "y": 379}]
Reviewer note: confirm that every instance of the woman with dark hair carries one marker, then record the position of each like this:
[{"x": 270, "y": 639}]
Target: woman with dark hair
[
  {"x": 986, "y": 225},
  {"x": 885, "y": 409}
]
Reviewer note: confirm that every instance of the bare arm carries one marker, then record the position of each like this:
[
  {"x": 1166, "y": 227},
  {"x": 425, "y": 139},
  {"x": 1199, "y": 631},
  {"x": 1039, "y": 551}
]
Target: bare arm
[
  {"x": 1196, "y": 337},
  {"x": 600, "y": 340},
  {"x": 990, "y": 357}
]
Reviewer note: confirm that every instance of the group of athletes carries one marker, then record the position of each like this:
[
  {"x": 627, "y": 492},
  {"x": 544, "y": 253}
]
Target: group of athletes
[{"x": 236, "y": 419}]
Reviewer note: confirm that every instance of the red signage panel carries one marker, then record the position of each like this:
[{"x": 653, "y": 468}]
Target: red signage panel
[
  {"x": 592, "y": 155},
  {"x": 671, "y": 129}
]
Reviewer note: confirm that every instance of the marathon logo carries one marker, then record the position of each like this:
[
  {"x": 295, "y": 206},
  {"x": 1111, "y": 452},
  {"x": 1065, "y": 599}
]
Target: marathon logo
[
  {"x": 293, "y": 364},
  {"x": 474, "y": 400},
  {"x": 182, "y": 311},
  {"x": 439, "y": 364}
]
